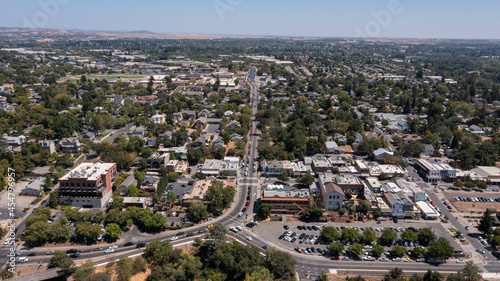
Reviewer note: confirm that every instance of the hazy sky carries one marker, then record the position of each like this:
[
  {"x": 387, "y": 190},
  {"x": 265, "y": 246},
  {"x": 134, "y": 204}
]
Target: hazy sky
[{"x": 332, "y": 18}]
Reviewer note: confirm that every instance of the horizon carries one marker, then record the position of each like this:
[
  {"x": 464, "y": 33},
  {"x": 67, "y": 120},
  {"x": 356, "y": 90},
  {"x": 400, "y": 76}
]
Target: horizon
[{"x": 391, "y": 19}]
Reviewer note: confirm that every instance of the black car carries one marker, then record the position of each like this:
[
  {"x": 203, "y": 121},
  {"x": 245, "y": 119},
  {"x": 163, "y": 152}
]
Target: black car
[
  {"x": 202, "y": 231},
  {"x": 190, "y": 234},
  {"x": 31, "y": 254},
  {"x": 140, "y": 245},
  {"x": 128, "y": 244},
  {"x": 74, "y": 256},
  {"x": 264, "y": 247},
  {"x": 71, "y": 251},
  {"x": 84, "y": 251},
  {"x": 282, "y": 236},
  {"x": 244, "y": 209},
  {"x": 180, "y": 233},
  {"x": 286, "y": 227},
  {"x": 299, "y": 227}
]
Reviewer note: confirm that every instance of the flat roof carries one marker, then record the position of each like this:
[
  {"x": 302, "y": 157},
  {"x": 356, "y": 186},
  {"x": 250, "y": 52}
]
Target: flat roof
[{"x": 90, "y": 171}]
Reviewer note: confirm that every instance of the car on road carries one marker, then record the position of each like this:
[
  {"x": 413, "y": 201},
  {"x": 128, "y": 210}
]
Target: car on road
[
  {"x": 368, "y": 258},
  {"x": 384, "y": 259},
  {"x": 31, "y": 254},
  {"x": 74, "y": 256},
  {"x": 140, "y": 245},
  {"x": 174, "y": 238},
  {"x": 190, "y": 234},
  {"x": 467, "y": 227},
  {"x": 460, "y": 261},
  {"x": 240, "y": 214},
  {"x": 396, "y": 259},
  {"x": 128, "y": 244},
  {"x": 264, "y": 247},
  {"x": 23, "y": 259},
  {"x": 50, "y": 253},
  {"x": 180, "y": 233},
  {"x": 108, "y": 251},
  {"x": 249, "y": 238},
  {"x": 481, "y": 251},
  {"x": 113, "y": 246},
  {"x": 70, "y": 251}
]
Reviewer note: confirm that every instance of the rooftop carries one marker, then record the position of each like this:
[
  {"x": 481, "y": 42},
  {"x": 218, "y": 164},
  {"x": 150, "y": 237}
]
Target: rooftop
[{"x": 90, "y": 171}]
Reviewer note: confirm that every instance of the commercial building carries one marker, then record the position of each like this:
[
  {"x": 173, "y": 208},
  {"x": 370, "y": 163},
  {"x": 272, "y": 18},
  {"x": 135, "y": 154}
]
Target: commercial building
[
  {"x": 411, "y": 189},
  {"x": 333, "y": 196},
  {"x": 157, "y": 160},
  {"x": 274, "y": 168},
  {"x": 289, "y": 202},
  {"x": 435, "y": 171},
  {"x": 34, "y": 188},
  {"x": 400, "y": 204},
  {"x": 485, "y": 173},
  {"x": 214, "y": 167},
  {"x": 88, "y": 185},
  {"x": 321, "y": 165},
  {"x": 428, "y": 212}
]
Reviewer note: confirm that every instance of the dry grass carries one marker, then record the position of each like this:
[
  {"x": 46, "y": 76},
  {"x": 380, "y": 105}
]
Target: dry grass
[{"x": 467, "y": 207}]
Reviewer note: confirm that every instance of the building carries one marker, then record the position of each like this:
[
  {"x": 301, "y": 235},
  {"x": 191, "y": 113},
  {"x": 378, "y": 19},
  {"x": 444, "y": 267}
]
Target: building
[
  {"x": 157, "y": 160},
  {"x": 485, "y": 173},
  {"x": 88, "y": 135},
  {"x": 34, "y": 188},
  {"x": 350, "y": 184},
  {"x": 373, "y": 184},
  {"x": 48, "y": 144},
  {"x": 70, "y": 145},
  {"x": 200, "y": 124},
  {"x": 401, "y": 206},
  {"x": 88, "y": 185},
  {"x": 428, "y": 212},
  {"x": 274, "y": 168},
  {"x": 286, "y": 202},
  {"x": 298, "y": 169},
  {"x": 321, "y": 165},
  {"x": 435, "y": 171},
  {"x": 151, "y": 141},
  {"x": 149, "y": 184},
  {"x": 16, "y": 140},
  {"x": 331, "y": 146},
  {"x": 214, "y": 167},
  {"x": 381, "y": 153},
  {"x": 140, "y": 202},
  {"x": 158, "y": 118},
  {"x": 412, "y": 190},
  {"x": 333, "y": 196},
  {"x": 197, "y": 192}
]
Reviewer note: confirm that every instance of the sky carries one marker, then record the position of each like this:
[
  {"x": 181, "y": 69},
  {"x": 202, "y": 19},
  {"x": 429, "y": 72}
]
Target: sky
[{"x": 459, "y": 19}]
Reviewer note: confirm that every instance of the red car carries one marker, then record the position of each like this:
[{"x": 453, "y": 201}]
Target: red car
[
  {"x": 249, "y": 146},
  {"x": 336, "y": 258},
  {"x": 248, "y": 202}
]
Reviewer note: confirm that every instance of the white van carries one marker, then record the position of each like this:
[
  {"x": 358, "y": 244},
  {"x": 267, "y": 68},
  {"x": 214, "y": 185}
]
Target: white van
[{"x": 23, "y": 259}]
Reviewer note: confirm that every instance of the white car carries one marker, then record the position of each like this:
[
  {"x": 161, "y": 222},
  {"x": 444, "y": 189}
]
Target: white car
[
  {"x": 240, "y": 214},
  {"x": 109, "y": 251},
  {"x": 249, "y": 238},
  {"x": 239, "y": 228},
  {"x": 460, "y": 261},
  {"x": 233, "y": 229},
  {"x": 174, "y": 238},
  {"x": 23, "y": 259},
  {"x": 113, "y": 246}
]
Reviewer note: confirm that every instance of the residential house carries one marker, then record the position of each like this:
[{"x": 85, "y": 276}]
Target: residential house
[
  {"x": 88, "y": 135},
  {"x": 150, "y": 184},
  {"x": 151, "y": 142},
  {"x": 158, "y": 118},
  {"x": 70, "y": 145},
  {"x": 358, "y": 139},
  {"x": 236, "y": 137},
  {"x": 218, "y": 142},
  {"x": 331, "y": 146},
  {"x": 475, "y": 129},
  {"x": 200, "y": 124},
  {"x": 382, "y": 153},
  {"x": 48, "y": 144},
  {"x": 233, "y": 124},
  {"x": 16, "y": 140},
  {"x": 139, "y": 132}
]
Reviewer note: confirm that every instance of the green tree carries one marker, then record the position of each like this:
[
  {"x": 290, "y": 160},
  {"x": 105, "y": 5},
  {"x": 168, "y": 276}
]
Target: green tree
[
  {"x": 349, "y": 234},
  {"x": 7, "y": 273},
  {"x": 418, "y": 251},
  {"x": 283, "y": 176},
  {"x": 113, "y": 231},
  {"x": 132, "y": 191},
  {"x": 486, "y": 223},
  {"x": 395, "y": 274},
  {"x": 85, "y": 269},
  {"x": 124, "y": 269},
  {"x": 197, "y": 212},
  {"x": 356, "y": 249},
  {"x": 63, "y": 261},
  {"x": 217, "y": 232},
  {"x": 425, "y": 236},
  {"x": 173, "y": 176},
  {"x": 281, "y": 264},
  {"x": 388, "y": 236},
  {"x": 311, "y": 213},
  {"x": 440, "y": 249},
  {"x": 368, "y": 236},
  {"x": 471, "y": 272},
  {"x": 264, "y": 211},
  {"x": 87, "y": 231},
  {"x": 330, "y": 234},
  {"x": 398, "y": 251},
  {"x": 409, "y": 235},
  {"x": 432, "y": 276},
  {"x": 336, "y": 248},
  {"x": 306, "y": 179},
  {"x": 158, "y": 253},
  {"x": 259, "y": 273},
  {"x": 377, "y": 250}
]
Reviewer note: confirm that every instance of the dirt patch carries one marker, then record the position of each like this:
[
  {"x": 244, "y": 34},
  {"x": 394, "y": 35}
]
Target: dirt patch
[
  {"x": 343, "y": 277},
  {"x": 467, "y": 207},
  {"x": 29, "y": 269}
]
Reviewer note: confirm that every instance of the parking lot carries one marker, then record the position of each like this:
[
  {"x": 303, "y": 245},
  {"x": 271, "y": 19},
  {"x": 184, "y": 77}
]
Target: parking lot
[
  {"x": 308, "y": 240},
  {"x": 473, "y": 203}
]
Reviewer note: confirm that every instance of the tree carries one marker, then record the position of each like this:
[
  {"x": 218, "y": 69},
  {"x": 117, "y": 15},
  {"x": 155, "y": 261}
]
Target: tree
[
  {"x": 124, "y": 271},
  {"x": 396, "y": 274},
  {"x": 8, "y": 271},
  {"x": 349, "y": 234},
  {"x": 139, "y": 176},
  {"x": 432, "y": 276},
  {"x": 388, "y": 236},
  {"x": 87, "y": 231},
  {"x": 113, "y": 231},
  {"x": 440, "y": 249},
  {"x": 173, "y": 176},
  {"x": 336, "y": 248},
  {"x": 409, "y": 235},
  {"x": 158, "y": 253},
  {"x": 486, "y": 223},
  {"x": 132, "y": 190},
  {"x": 471, "y": 272},
  {"x": 217, "y": 232},
  {"x": 306, "y": 179},
  {"x": 259, "y": 273},
  {"x": 398, "y": 251},
  {"x": 54, "y": 199},
  {"x": 283, "y": 176},
  {"x": 377, "y": 250},
  {"x": 197, "y": 212},
  {"x": 281, "y": 264},
  {"x": 356, "y": 249},
  {"x": 418, "y": 251},
  {"x": 170, "y": 197},
  {"x": 357, "y": 278},
  {"x": 84, "y": 270},
  {"x": 330, "y": 234},
  {"x": 264, "y": 211},
  {"x": 425, "y": 236},
  {"x": 311, "y": 213},
  {"x": 63, "y": 261},
  {"x": 368, "y": 235}
]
